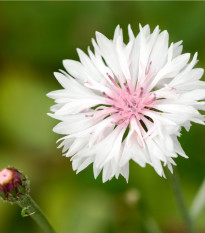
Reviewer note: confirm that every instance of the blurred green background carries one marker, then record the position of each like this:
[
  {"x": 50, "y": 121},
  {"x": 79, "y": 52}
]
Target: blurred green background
[{"x": 34, "y": 39}]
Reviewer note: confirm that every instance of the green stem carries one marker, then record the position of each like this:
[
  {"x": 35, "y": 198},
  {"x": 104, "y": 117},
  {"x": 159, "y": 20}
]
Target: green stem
[
  {"x": 30, "y": 208},
  {"x": 180, "y": 201}
]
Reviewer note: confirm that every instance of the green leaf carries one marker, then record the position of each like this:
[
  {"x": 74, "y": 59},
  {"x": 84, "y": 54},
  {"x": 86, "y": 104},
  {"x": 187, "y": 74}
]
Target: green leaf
[{"x": 199, "y": 202}]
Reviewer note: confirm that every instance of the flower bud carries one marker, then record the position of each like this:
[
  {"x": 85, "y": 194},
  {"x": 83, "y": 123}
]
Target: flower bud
[{"x": 14, "y": 186}]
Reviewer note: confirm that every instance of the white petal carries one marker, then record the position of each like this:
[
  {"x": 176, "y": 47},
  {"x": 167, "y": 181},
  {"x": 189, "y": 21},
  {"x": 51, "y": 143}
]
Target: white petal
[
  {"x": 75, "y": 69},
  {"x": 158, "y": 55}
]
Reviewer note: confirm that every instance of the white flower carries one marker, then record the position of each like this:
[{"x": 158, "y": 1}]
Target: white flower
[{"x": 127, "y": 101}]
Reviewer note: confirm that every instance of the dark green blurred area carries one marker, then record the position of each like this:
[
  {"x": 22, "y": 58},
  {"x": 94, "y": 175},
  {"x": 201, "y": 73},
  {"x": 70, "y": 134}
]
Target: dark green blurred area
[{"x": 34, "y": 39}]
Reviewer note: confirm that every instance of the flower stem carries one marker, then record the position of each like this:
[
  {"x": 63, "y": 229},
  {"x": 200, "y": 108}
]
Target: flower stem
[
  {"x": 174, "y": 178},
  {"x": 30, "y": 208}
]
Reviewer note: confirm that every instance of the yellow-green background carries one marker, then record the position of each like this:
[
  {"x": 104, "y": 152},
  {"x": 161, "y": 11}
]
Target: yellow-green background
[{"x": 34, "y": 39}]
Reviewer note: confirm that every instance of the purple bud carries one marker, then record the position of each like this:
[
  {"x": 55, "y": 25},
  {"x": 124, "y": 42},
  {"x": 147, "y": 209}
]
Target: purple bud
[{"x": 14, "y": 186}]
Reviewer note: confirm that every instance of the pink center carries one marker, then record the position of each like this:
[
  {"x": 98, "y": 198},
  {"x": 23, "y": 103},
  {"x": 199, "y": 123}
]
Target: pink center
[
  {"x": 126, "y": 102},
  {"x": 5, "y": 176}
]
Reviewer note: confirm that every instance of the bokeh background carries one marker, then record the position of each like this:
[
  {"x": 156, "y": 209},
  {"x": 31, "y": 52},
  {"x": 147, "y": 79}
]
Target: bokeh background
[{"x": 34, "y": 39}]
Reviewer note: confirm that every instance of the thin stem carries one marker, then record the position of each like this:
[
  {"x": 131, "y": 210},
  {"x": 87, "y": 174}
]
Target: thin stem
[
  {"x": 174, "y": 178},
  {"x": 30, "y": 208}
]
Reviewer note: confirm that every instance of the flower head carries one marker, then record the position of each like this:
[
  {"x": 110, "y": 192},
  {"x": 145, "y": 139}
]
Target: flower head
[
  {"x": 127, "y": 101},
  {"x": 13, "y": 184}
]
